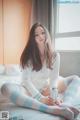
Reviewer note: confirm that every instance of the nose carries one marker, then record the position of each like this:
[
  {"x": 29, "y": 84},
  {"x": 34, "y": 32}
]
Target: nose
[{"x": 41, "y": 36}]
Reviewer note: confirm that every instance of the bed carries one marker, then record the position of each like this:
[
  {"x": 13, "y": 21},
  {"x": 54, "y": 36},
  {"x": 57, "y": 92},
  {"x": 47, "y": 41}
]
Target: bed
[{"x": 12, "y": 73}]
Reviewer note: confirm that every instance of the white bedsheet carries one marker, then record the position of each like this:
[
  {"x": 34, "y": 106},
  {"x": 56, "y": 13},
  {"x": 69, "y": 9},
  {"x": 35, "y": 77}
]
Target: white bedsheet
[{"x": 20, "y": 113}]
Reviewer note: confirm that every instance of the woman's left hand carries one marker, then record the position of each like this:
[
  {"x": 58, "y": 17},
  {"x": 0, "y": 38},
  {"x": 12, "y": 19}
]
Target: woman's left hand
[{"x": 48, "y": 100}]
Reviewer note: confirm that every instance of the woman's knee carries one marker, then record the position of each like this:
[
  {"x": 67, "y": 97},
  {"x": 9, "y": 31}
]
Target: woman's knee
[
  {"x": 70, "y": 79},
  {"x": 6, "y": 89},
  {"x": 75, "y": 77}
]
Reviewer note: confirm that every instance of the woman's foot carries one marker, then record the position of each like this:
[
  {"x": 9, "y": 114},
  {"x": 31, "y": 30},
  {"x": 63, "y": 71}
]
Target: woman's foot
[
  {"x": 75, "y": 110},
  {"x": 63, "y": 111}
]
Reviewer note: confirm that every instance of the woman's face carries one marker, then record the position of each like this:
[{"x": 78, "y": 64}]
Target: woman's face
[{"x": 40, "y": 36}]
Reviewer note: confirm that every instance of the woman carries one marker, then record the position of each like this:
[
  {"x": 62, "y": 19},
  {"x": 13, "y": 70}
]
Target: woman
[
  {"x": 40, "y": 70},
  {"x": 39, "y": 62}
]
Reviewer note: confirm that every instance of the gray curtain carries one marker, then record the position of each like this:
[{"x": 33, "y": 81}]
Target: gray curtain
[{"x": 43, "y": 12}]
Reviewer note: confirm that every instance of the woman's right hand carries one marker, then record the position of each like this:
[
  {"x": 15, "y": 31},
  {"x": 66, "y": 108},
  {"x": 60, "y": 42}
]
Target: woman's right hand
[{"x": 48, "y": 100}]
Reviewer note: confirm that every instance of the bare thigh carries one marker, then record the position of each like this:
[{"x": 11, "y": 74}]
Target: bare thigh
[{"x": 61, "y": 86}]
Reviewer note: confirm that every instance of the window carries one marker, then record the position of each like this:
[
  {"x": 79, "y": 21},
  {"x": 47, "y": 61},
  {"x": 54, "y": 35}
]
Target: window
[{"x": 67, "y": 34}]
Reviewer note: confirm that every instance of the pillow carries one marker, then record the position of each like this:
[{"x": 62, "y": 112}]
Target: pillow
[
  {"x": 12, "y": 69},
  {"x": 2, "y": 69}
]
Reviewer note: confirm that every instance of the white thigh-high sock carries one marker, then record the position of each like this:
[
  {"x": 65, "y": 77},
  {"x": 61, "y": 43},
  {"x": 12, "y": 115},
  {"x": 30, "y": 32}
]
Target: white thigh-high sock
[
  {"x": 14, "y": 93},
  {"x": 69, "y": 79},
  {"x": 71, "y": 96}
]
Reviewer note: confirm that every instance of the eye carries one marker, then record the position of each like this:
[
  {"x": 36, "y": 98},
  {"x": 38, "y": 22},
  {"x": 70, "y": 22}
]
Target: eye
[
  {"x": 43, "y": 33},
  {"x": 36, "y": 35}
]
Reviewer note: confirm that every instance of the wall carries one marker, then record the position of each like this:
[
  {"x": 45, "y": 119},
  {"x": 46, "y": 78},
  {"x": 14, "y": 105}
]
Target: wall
[
  {"x": 70, "y": 63},
  {"x": 15, "y": 21},
  {"x": 1, "y": 41}
]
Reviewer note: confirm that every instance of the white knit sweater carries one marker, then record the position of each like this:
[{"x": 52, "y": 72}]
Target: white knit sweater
[{"x": 35, "y": 81}]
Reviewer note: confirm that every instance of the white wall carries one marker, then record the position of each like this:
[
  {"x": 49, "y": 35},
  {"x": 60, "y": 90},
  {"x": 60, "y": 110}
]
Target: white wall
[{"x": 70, "y": 63}]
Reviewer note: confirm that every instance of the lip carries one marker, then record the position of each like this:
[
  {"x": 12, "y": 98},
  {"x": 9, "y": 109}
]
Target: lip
[{"x": 42, "y": 40}]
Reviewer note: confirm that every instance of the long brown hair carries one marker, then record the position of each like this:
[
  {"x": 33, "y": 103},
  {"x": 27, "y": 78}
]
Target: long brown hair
[{"x": 31, "y": 53}]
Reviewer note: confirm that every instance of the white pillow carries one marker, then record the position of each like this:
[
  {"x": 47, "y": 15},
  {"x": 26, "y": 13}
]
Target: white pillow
[
  {"x": 2, "y": 69},
  {"x": 13, "y": 69}
]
